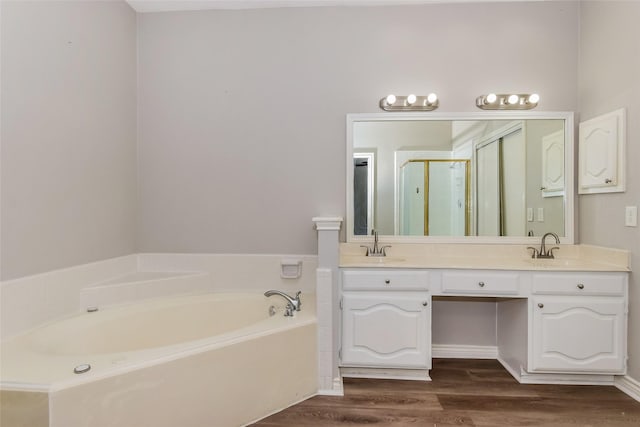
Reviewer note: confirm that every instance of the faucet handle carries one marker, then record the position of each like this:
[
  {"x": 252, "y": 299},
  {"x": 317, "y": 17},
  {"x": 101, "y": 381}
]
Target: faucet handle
[
  {"x": 288, "y": 311},
  {"x": 299, "y": 302},
  {"x": 367, "y": 248},
  {"x": 534, "y": 253},
  {"x": 383, "y": 250},
  {"x": 551, "y": 251}
]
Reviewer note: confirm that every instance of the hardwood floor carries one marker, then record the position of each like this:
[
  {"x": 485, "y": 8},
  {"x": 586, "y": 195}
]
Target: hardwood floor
[{"x": 462, "y": 393}]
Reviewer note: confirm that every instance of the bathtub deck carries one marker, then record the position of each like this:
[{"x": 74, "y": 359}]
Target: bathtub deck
[{"x": 463, "y": 392}]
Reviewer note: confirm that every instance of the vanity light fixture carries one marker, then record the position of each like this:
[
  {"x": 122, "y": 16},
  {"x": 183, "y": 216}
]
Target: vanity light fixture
[
  {"x": 520, "y": 101},
  {"x": 409, "y": 103}
]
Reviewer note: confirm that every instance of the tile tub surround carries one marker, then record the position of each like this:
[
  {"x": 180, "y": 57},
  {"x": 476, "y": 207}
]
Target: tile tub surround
[
  {"x": 33, "y": 300},
  {"x": 499, "y": 257}
]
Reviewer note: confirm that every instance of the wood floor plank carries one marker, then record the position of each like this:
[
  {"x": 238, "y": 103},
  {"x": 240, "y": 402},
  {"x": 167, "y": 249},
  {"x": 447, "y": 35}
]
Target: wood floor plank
[
  {"x": 463, "y": 393},
  {"x": 378, "y": 400},
  {"x": 316, "y": 417}
]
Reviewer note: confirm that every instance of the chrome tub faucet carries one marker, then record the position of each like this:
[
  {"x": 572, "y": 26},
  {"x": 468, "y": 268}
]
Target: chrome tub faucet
[
  {"x": 375, "y": 250},
  {"x": 543, "y": 252},
  {"x": 293, "y": 303}
]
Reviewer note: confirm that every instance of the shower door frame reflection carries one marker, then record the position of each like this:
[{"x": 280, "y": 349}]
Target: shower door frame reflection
[{"x": 427, "y": 193}]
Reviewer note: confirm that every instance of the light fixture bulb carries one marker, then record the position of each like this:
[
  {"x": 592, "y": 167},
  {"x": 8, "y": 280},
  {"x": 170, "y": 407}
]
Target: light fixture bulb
[
  {"x": 513, "y": 99},
  {"x": 491, "y": 98},
  {"x": 534, "y": 98},
  {"x": 411, "y": 99},
  {"x": 432, "y": 97},
  {"x": 391, "y": 99}
]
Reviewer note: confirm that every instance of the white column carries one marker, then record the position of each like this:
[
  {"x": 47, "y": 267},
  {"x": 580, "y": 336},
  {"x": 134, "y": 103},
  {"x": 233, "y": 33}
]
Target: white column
[{"x": 329, "y": 380}]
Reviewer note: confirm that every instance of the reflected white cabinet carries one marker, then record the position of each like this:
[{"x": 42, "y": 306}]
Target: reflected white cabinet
[
  {"x": 601, "y": 149},
  {"x": 389, "y": 330},
  {"x": 578, "y": 323},
  {"x": 553, "y": 164}
]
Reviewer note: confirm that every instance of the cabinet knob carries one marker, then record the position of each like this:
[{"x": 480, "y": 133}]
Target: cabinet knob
[
  {"x": 580, "y": 286},
  {"x": 540, "y": 305},
  {"x": 424, "y": 303},
  {"x": 481, "y": 284},
  {"x": 387, "y": 281}
]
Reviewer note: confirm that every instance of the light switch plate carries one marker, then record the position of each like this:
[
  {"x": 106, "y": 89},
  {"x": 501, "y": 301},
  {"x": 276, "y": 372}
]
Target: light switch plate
[
  {"x": 631, "y": 216},
  {"x": 540, "y": 214},
  {"x": 529, "y": 214}
]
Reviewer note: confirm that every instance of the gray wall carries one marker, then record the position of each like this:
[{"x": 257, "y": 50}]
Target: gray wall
[
  {"x": 608, "y": 80},
  {"x": 68, "y": 180},
  {"x": 242, "y": 113}
]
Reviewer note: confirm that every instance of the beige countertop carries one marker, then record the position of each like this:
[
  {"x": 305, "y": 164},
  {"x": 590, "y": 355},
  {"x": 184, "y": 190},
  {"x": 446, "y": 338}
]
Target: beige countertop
[{"x": 487, "y": 257}]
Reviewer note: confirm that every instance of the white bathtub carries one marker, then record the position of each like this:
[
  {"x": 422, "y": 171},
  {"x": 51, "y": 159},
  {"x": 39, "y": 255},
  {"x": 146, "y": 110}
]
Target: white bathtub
[{"x": 212, "y": 360}]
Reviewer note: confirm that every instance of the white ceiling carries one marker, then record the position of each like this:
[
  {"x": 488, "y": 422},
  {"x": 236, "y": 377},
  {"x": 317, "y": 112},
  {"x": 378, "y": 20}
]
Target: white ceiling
[{"x": 174, "y": 5}]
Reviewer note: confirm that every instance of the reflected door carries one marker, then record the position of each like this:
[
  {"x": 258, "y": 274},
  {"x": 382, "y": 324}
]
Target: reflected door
[
  {"x": 434, "y": 199},
  {"x": 501, "y": 201},
  {"x": 412, "y": 218},
  {"x": 488, "y": 189}
]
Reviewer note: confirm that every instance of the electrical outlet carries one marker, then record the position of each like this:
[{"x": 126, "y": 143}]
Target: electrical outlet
[{"x": 631, "y": 216}]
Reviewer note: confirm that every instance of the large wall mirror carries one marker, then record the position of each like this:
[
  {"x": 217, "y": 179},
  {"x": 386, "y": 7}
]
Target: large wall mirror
[{"x": 486, "y": 178}]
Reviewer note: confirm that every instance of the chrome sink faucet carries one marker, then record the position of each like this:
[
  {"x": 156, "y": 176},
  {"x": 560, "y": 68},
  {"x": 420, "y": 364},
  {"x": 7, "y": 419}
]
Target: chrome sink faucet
[
  {"x": 544, "y": 252},
  {"x": 375, "y": 250},
  {"x": 293, "y": 303}
]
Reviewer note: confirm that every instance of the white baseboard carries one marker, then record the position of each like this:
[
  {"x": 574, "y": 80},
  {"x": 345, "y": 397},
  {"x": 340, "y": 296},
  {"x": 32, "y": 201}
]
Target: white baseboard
[
  {"x": 324, "y": 392},
  {"x": 336, "y": 390},
  {"x": 628, "y": 386},
  {"x": 386, "y": 373},
  {"x": 445, "y": 351}
]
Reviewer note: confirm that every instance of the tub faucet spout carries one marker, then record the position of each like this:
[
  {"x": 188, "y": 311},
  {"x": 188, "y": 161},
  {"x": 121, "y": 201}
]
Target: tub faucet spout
[{"x": 293, "y": 303}]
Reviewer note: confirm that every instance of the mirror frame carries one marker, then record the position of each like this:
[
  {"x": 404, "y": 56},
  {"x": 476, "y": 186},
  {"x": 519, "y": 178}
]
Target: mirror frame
[{"x": 569, "y": 172}]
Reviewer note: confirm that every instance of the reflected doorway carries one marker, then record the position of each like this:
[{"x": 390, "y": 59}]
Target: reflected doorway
[{"x": 363, "y": 193}]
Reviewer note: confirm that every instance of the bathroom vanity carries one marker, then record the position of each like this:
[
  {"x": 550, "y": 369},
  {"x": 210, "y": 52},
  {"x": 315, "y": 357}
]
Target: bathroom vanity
[
  {"x": 460, "y": 201},
  {"x": 557, "y": 321}
]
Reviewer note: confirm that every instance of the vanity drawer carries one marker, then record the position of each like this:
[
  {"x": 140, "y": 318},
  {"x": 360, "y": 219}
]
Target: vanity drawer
[
  {"x": 579, "y": 284},
  {"x": 480, "y": 282},
  {"x": 396, "y": 280}
]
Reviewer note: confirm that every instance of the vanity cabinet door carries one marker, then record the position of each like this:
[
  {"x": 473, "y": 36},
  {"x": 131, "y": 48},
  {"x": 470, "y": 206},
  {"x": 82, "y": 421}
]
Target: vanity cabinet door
[
  {"x": 386, "y": 330},
  {"x": 578, "y": 335}
]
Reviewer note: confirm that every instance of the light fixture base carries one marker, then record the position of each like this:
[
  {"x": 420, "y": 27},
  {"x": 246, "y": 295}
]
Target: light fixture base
[
  {"x": 402, "y": 103},
  {"x": 525, "y": 101}
]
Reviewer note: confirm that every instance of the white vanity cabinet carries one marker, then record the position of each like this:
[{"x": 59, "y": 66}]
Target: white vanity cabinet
[
  {"x": 386, "y": 317},
  {"x": 578, "y": 323},
  {"x": 552, "y": 326}
]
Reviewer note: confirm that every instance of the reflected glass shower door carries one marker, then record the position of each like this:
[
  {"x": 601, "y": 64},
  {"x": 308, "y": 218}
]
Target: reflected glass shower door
[{"x": 435, "y": 198}]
